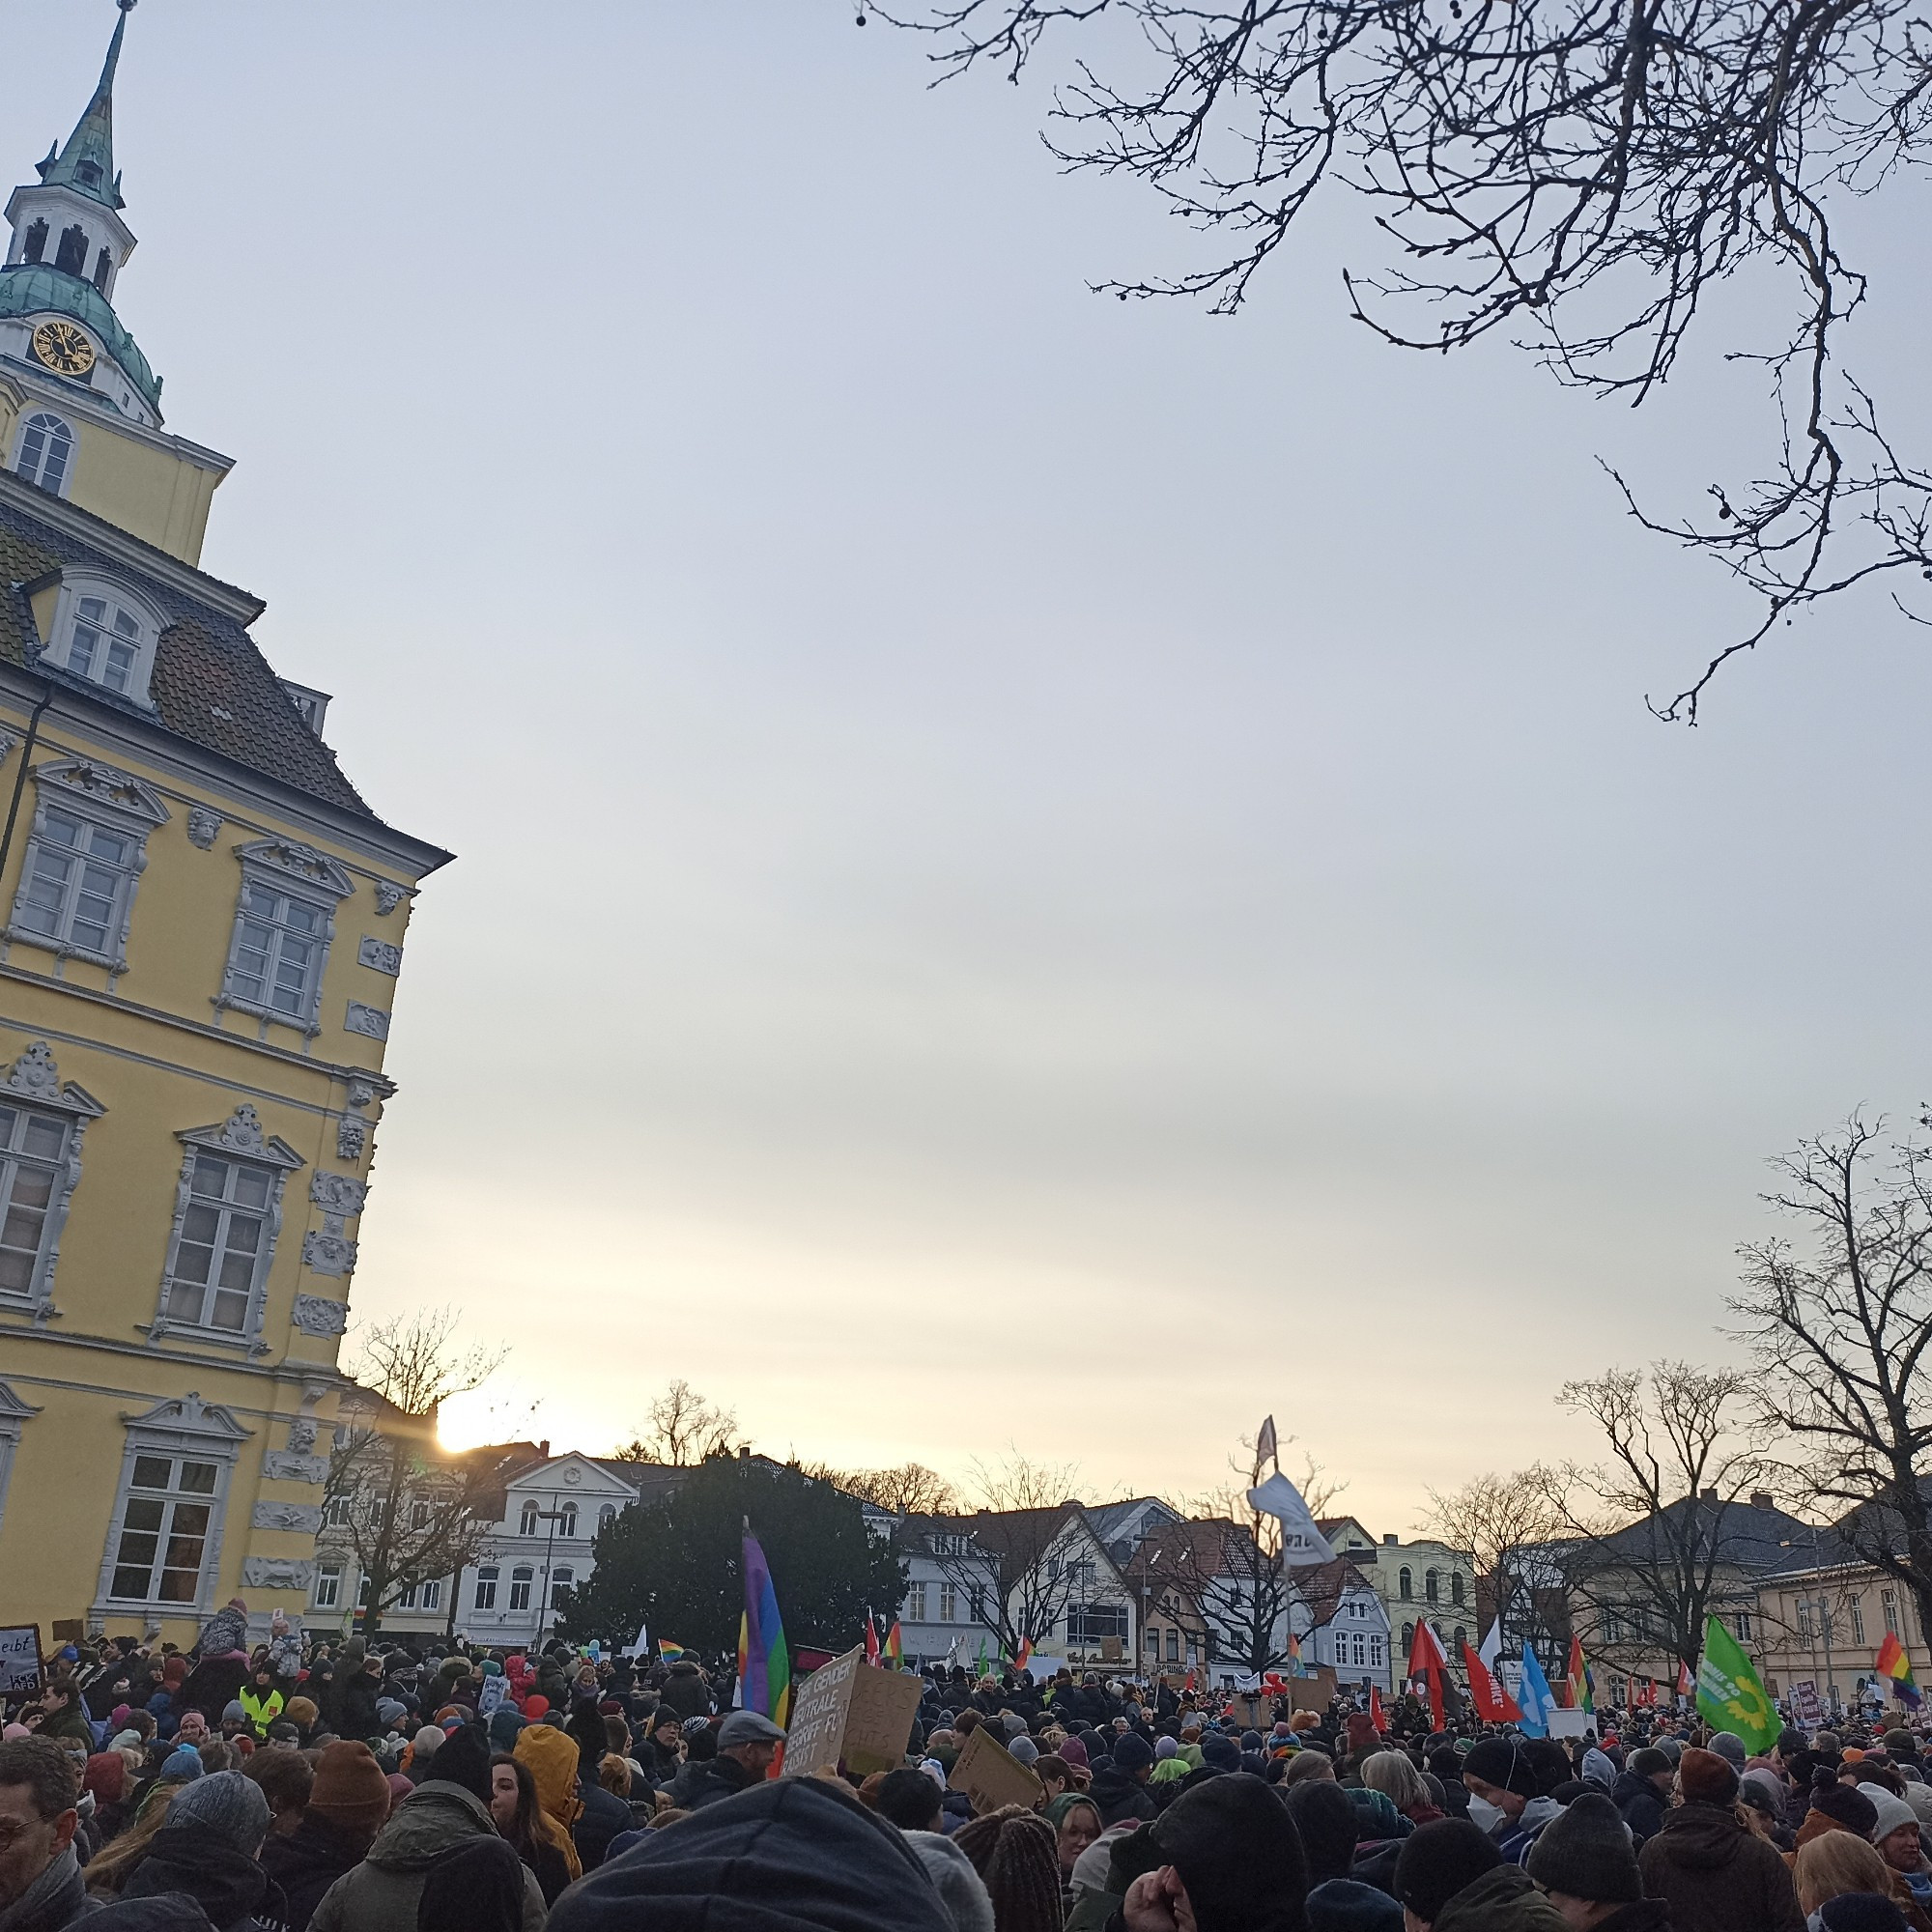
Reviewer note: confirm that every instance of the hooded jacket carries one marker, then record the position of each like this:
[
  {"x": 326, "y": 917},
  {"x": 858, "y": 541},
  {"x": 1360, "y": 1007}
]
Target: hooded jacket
[
  {"x": 1115, "y": 1797},
  {"x": 195, "y": 1859},
  {"x": 307, "y": 1861},
  {"x": 789, "y": 1856},
  {"x": 685, "y": 1693},
  {"x": 1504, "y": 1899},
  {"x": 1640, "y": 1804},
  {"x": 381, "y": 1893},
  {"x": 1716, "y": 1875}
]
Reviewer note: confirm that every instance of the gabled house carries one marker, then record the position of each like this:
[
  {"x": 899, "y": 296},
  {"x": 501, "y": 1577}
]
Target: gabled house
[{"x": 1343, "y": 1623}]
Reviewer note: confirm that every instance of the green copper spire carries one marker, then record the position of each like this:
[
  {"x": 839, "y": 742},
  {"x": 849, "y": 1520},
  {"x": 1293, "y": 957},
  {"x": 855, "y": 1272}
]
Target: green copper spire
[{"x": 86, "y": 164}]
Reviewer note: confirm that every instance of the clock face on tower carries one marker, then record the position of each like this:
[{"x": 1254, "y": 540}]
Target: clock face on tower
[{"x": 62, "y": 348}]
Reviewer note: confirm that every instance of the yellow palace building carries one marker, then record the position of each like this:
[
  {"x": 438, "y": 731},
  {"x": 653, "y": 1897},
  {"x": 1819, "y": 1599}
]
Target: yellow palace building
[{"x": 204, "y": 925}]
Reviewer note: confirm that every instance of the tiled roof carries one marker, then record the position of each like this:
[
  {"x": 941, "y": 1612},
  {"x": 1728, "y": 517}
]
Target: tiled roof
[
  {"x": 211, "y": 685},
  {"x": 1321, "y": 1586}
]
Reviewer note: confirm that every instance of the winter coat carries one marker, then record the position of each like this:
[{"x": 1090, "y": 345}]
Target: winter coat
[
  {"x": 1504, "y": 1899},
  {"x": 1717, "y": 1875},
  {"x": 227, "y": 1630},
  {"x": 604, "y": 1815},
  {"x": 285, "y": 1656},
  {"x": 1641, "y": 1805},
  {"x": 722, "y": 1778},
  {"x": 70, "y": 1721},
  {"x": 381, "y": 1894},
  {"x": 356, "y": 1706},
  {"x": 306, "y": 1862},
  {"x": 661, "y": 1766},
  {"x": 1117, "y": 1796},
  {"x": 57, "y": 1898},
  {"x": 685, "y": 1693},
  {"x": 1645, "y": 1915},
  {"x": 194, "y": 1858}
]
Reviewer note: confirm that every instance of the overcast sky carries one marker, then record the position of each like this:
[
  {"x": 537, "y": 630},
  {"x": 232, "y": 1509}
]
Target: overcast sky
[{"x": 1031, "y": 870}]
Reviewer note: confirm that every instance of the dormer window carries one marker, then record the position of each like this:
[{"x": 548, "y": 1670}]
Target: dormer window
[
  {"x": 88, "y": 173},
  {"x": 103, "y": 634},
  {"x": 47, "y": 450}
]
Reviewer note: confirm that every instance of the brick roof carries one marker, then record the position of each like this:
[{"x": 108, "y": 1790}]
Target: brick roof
[{"x": 211, "y": 685}]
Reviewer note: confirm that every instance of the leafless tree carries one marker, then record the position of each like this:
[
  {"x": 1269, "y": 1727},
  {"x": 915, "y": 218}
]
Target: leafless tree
[
  {"x": 1841, "y": 1331},
  {"x": 909, "y": 1489},
  {"x": 684, "y": 1430},
  {"x": 1019, "y": 1483},
  {"x": 405, "y": 1511},
  {"x": 1585, "y": 174},
  {"x": 1651, "y": 1542},
  {"x": 1508, "y": 1525}
]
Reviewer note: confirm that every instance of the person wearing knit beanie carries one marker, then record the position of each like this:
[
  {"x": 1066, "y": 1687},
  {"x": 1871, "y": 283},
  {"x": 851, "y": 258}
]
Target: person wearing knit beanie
[
  {"x": 1232, "y": 1855},
  {"x": 1018, "y": 1861},
  {"x": 1584, "y": 1852},
  {"x": 1839, "y": 1808},
  {"x": 350, "y": 1791},
  {"x": 961, "y": 1889},
  {"x": 463, "y": 1758},
  {"x": 1704, "y": 1778},
  {"x": 230, "y": 1805},
  {"x": 1437, "y": 1862}
]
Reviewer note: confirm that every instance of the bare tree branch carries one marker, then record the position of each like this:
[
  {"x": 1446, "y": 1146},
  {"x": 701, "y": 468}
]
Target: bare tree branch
[{"x": 684, "y": 1430}]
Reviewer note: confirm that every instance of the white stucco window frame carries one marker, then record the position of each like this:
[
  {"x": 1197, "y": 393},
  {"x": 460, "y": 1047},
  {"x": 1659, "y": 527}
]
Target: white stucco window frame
[
  {"x": 286, "y": 866},
  {"x": 103, "y": 796},
  {"x": 14, "y": 1412},
  {"x": 34, "y": 1082},
  {"x": 79, "y": 583},
  {"x": 183, "y": 1427},
  {"x": 20, "y": 431},
  {"x": 241, "y": 1137}
]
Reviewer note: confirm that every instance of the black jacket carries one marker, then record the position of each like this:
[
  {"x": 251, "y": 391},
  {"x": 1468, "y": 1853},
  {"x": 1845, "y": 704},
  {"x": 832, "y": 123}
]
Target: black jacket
[
  {"x": 1641, "y": 1805},
  {"x": 306, "y": 1862},
  {"x": 722, "y": 1778},
  {"x": 356, "y": 1708},
  {"x": 603, "y": 1817},
  {"x": 685, "y": 1693},
  {"x": 1117, "y": 1796}
]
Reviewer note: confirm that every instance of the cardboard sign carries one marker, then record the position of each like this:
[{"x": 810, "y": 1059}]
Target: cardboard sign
[
  {"x": 21, "y": 1658},
  {"x": 817, "y": 1725},
  {"x": 1571, "y": 1723},
  {"x": 69, "y": 1630},
  {"x": 1806, "y": 1707},
  {"x": 991, "y": 1775},
  {"x": 849, "y": 1712},
  {"x": 1313, "y": 1691}
]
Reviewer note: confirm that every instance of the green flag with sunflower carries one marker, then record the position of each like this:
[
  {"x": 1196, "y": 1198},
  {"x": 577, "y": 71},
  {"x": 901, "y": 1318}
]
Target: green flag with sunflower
[{"x": 1730, "y": 1695}]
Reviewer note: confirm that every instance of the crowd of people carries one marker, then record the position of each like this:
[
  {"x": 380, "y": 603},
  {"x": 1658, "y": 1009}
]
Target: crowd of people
[{"x": 350, "y": 1786}]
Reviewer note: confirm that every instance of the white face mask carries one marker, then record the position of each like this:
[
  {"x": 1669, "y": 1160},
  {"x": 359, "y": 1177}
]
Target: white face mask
[{"x": 1483, "y": 1815}]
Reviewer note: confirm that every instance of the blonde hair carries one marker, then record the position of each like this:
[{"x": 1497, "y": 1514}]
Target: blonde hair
[
  {"x": 1391, "y": 1773},
  {"x": 1836, "y": 1863},
  {"x": 107, "y": 1871}
]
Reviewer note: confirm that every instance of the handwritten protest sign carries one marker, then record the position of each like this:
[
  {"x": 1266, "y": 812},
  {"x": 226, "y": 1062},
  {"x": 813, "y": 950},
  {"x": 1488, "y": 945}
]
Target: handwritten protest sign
[
  {"x": 991, "y": 1775},
  {"x": 20, "y": 1658},
  {"x": 851, "y": 1714}
]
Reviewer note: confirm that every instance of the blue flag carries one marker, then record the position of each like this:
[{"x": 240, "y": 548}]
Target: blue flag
[{"x": 1535, "y": 1698}]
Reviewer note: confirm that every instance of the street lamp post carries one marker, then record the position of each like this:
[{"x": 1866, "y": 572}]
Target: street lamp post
[{"x": 552, "y": 1518}]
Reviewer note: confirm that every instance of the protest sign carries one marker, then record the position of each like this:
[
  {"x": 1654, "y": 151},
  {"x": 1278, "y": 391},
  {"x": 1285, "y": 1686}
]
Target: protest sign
[
  {"x": 849, "y": 1712},
  {"x": 20, "y": 1658},
  {"x": 991, "y": 1775},
  {"x": 490, "y": 1699},
  {"x": 1806, "y": 1709},
  {"x": 1313, "y": 1691},
  {"x": 1571, "y": 1723}
]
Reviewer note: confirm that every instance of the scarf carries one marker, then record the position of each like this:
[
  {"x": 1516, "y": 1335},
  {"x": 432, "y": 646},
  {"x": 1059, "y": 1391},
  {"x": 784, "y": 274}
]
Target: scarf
[{"x": 57, "y": 1896}]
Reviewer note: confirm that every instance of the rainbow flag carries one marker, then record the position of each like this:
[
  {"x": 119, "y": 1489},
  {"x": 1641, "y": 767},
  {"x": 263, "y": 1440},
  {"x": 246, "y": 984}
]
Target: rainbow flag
[
  {"x": 1581, "y": 1686},
  {"x": 670, "y": 1652},
  {"x": 764, "y": 1664},
  {"x": 1892, "y": 1662},
  {"x": 895, "y": 1654},
  {"x": 1295, "y": 1654}
]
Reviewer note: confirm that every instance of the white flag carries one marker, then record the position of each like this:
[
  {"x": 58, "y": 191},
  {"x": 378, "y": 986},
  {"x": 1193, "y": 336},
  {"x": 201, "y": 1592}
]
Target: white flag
[
  {"x": 1491, "y": 1649},
  {"x": 1267, "y": 1449},
  {"x": 1301, "y": 1542},
  {"x": 643, "y": 1642}
]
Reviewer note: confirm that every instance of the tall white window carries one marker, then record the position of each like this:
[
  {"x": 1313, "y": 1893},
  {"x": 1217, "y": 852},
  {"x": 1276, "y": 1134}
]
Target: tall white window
[
  {"x": 223, "y": 1243},
  {"x": 607, "y": 1516},
  {"x": 162, "y": 1538},
  {"x": 276, "y": 960},
  {"x": 949, "y": 1603},
  {"x": 915, "y": 1603},
  {"x": 527, "y": 1525},
  {"x": 567, "y": 1526},
  {"x": 520, "y": 1579},
  {"x": 432, "y": 1594},
  {"x": 561, "y": 1578},
  {"x": 486, "y": 1587},
  {"x": 31, "y": 1169},
  {"x": 47, "y": 450},
  {"x": 329, "y": 1586},
  {"x": 77, "y": 877}
]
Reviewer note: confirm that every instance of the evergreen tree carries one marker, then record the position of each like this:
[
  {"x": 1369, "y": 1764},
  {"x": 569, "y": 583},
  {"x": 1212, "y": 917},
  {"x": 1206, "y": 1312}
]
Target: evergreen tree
[{"x": 675, "y": 1565}]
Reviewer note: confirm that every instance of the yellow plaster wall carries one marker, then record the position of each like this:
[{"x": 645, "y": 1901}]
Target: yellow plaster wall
[
  {"x": 149, "y": 1045},
  {"x": 155, "y": 494}
]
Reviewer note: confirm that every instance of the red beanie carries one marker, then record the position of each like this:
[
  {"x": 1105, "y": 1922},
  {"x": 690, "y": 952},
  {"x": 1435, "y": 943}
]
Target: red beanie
[{"x": 1706, "y": 1778}]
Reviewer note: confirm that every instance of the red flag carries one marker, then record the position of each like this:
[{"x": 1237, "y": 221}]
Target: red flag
[
  {"x": 1686, "y": 1685},
  {"x": 872, "y": 1639},
  {"x": 1493, "y": 1704},
  {"x": 1427, "y": 1661},
  {"x": 1376, "y": 1717}
]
